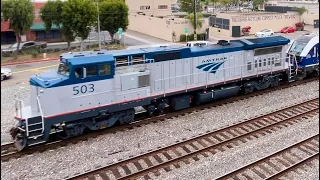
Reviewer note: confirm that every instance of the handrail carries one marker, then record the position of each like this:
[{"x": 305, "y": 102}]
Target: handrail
[
  {"x": 20, "y": 106},
  {"x": 27, "y": 127},
  {"x": 41, "y": 113}
]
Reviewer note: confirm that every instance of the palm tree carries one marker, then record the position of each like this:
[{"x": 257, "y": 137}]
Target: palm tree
[
  {"x": 300, "y": 11},
  {"x": 199, "y": 22}
]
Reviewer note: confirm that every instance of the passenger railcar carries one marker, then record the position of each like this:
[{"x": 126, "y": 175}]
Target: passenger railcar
[
  {"x": 98, "y": 89},
  {"x": 303, "y": 54}
]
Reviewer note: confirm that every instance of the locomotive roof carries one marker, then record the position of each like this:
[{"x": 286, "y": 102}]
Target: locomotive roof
[
  {"x": 87, "y": 57},
  {"x": 90, "y": 57}
]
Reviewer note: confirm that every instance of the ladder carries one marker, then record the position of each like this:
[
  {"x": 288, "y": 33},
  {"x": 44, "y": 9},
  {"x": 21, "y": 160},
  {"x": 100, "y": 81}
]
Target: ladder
[
  {"x": 293, "y": 68},
  {"x": 35, "y": 127}
]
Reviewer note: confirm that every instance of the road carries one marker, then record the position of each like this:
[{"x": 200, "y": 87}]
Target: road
[
  {"x": 130, "y": 38},
  {"x": 24, "y": 71}
]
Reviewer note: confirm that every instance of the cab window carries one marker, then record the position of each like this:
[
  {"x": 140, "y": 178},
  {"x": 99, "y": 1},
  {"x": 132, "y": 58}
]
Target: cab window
[
  {"x": 104, "y": 70},
  {"x": 78, "y": 73},
  {"x": 63, "y": 69},
  {"x": 91, "y": 71}
]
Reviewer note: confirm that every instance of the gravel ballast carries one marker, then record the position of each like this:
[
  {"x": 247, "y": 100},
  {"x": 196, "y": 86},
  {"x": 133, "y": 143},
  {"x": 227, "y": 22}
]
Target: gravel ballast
[
  {"x": 7, "y": 106},
  {"x": 222, "y": 163},
  {"x": 105, "y": 149}
]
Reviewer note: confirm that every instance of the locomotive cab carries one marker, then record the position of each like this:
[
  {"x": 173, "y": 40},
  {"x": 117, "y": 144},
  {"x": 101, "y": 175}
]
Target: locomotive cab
[{"x": 65, "y": 89}]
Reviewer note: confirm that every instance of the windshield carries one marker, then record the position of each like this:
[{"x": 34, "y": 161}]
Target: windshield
[
  {"x": 285, "y": 27},
  {"x": 265, "y": 30},
  {"x": 64, "y": 69},
  {"x": 297, "y": 48},
  {"x": 15, "y": 45}
]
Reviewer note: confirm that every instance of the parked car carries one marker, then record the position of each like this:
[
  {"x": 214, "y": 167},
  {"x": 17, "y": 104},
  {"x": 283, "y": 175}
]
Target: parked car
[
  {"x": 5, "y": 73},
  {"x": 24, "y": 46},
  {"x": 288, "y": 29},
  {"x": 264, "y": 33}
]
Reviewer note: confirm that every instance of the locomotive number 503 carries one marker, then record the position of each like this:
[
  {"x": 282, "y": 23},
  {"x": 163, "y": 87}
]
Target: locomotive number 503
[{"x": 83, "y": 89}]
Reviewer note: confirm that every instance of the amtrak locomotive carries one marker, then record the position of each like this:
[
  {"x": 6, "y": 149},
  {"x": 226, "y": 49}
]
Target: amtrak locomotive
[{"x": 99, "y": 89}]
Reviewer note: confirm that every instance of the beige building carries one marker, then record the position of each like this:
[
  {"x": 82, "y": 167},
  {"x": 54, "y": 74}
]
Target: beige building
[
  {"x": 225, "y": 24},
  {"x": 311, "y": 5},
  {"x": 163, "y": 27},
  {"x": 151, "y": 7},
  {"x": 155, "y": 18}
]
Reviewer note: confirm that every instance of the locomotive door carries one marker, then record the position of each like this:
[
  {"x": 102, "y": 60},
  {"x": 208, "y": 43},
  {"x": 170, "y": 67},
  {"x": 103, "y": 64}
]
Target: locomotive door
[
  {"x": 264, "y": 62},
  {"x": 271, "y": 57},
  {"x": 255, "y": 65},
  {"x": 260, "y": 64}
]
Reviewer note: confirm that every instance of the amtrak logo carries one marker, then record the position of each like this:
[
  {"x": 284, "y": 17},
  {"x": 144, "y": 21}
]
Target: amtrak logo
[{"x": 210, "y": 67}]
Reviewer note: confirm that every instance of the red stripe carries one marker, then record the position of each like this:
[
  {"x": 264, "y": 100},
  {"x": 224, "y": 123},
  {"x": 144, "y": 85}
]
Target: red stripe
[{"x": 31, "y": 61}]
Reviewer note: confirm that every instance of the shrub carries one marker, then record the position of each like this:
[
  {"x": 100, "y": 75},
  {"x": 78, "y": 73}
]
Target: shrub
[
  {"x": 34, "y": 53},
  {"x": 246, "y": 29},
  {"x": 191, "y": 37},
  {"x": 299, "y": 24}
]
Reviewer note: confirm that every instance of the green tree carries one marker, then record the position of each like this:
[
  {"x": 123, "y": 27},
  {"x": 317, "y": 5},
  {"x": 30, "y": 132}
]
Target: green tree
[
  {"x": 188, "y": 6},
  {"x": 199, "y": 18},
  {"x": 113, "y": 15},
  {"x": 79, "y": 15},
  {"x": 225, "y": 3},
  {"x": 51, "y": 14},
  {"x": 300, "y": 11},
  {"x": 20, "y": 15},
  {"x": 257, "y": 3}
]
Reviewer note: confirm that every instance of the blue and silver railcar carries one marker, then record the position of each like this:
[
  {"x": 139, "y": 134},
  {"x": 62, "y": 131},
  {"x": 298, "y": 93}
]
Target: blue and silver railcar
[
  {"x": 303, "y": 55},
  {"x": 98, "y": 89}
]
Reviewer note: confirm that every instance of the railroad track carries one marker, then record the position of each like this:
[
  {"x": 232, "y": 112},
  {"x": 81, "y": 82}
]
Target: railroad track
[
  {"x": 151, "y": 164},
  {"x": 281, "y": 163},
  {"x": 8, "y": 151}
]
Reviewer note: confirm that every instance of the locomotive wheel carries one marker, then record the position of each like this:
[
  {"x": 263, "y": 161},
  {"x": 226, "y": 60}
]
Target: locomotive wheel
[
  {"x": 20, "y": 141},
  {"x": 150, "y": 110},
  {"x": 160, "y": 108}
]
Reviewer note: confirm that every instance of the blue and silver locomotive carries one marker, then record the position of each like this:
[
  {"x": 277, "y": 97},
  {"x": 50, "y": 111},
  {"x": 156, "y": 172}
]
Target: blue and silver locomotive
[{"x": 99, "y": 89}]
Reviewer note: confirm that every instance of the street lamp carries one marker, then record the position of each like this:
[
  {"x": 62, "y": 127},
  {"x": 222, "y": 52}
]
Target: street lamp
[{"x": 98, "y": 25}]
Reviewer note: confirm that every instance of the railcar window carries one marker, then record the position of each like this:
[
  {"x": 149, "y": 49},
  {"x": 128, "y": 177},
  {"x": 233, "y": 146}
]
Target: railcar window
[
  {"x": 91, "y": 71},
  {"x": 272, "y": 60},
  {"x": 269, "y": 61},
  {"x": 78, "y": 73},
  {"x": 104, "y": 69},
  {"x": 249, "y": 66},
  {"x": 138, "y": 59},
  {"x": 264, "y": 62},
  {"x": 167, "y": 56},
  {"x": 255, "y": 63},
  {"x": 122, "y": 61},
  {"x": 271, "y": 50}
]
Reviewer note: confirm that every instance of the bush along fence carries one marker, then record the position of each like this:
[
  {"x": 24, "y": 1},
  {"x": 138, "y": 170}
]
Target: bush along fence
[{"x": 183, "y": 37}]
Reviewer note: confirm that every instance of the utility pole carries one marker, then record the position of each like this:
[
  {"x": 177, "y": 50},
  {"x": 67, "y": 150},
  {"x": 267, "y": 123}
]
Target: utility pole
[
  {"x": 195, "y": 19},
  {"x": 99, "y": 25}
]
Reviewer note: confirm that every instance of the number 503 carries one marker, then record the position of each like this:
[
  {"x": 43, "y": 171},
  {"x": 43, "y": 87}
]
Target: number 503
[{"x": 83, "y": 89}]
